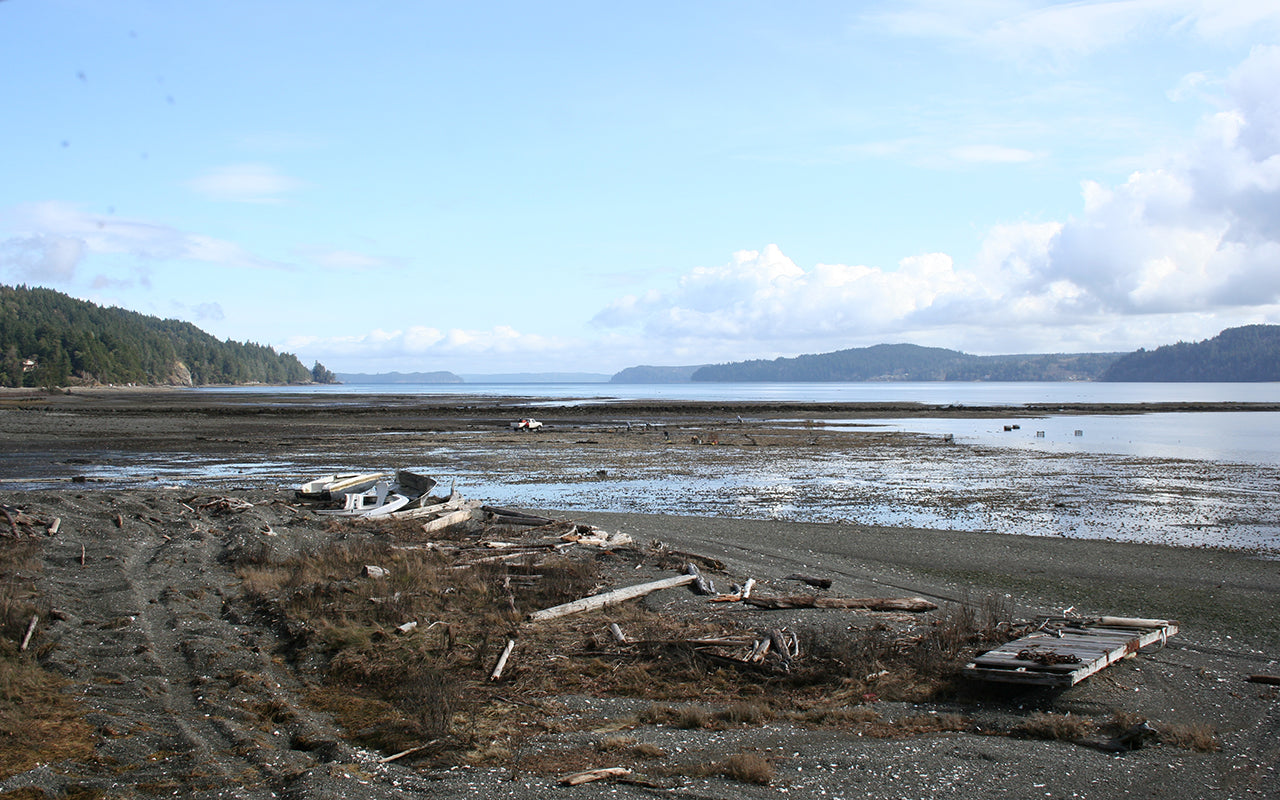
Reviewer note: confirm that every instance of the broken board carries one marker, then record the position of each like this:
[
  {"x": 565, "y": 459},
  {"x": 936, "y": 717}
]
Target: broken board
[{"x": 1065, "y": 652}]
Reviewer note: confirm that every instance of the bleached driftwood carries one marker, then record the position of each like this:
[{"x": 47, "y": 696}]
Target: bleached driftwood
[
  {"x": 579, "y": 778},
  {"x": 31, "y": 628},
  {"x": 865, "y": 603},
  {"x": 737, "y": 593},
  {"x": 700, "y": 584},
  {"x": 447, "y": 520},
  {"x": 598, "y": 601},
  {"x": 502, "y": 660}
]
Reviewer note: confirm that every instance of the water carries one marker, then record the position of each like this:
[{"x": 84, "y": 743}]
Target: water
[
  {"x": 938, "y": 393},
  {"x": 1246, "y": 437}
]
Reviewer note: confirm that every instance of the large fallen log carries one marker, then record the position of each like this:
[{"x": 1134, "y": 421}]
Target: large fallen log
[
  {"x": 865, "y": 603},
  {"x": 597, "y": 601}
]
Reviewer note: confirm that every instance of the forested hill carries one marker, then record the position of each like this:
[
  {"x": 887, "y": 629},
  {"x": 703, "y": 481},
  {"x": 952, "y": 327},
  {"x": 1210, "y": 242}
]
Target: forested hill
[
  {"x": 909, "y": 362},
  {"x": 50, "y": 339},
  {"x": 1248, "y": 353}
]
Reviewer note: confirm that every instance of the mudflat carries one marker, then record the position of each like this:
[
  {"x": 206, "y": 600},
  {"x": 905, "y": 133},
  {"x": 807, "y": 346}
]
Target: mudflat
[{"x": 189, "y": 688}]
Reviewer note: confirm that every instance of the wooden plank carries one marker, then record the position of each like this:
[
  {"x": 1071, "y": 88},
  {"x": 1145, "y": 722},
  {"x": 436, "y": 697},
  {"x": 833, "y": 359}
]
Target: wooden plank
[{"x": 1097, "y": 646}]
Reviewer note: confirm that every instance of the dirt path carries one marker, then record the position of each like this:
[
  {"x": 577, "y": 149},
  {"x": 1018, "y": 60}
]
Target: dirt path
[{"x": 186, "y": 696}]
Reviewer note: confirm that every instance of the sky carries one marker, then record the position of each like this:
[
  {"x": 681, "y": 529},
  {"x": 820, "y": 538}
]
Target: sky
[{"x": 496, "y": 187}]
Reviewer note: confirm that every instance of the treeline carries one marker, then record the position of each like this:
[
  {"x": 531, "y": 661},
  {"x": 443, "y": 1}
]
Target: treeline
[
  {"x": 1247, "y": 353},
  {"x": 49, "y": 339},
  {"x": 909, "y": 362}
]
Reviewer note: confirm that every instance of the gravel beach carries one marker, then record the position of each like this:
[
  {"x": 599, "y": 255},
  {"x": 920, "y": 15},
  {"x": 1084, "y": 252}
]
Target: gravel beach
[{"x": 150, "y": 621}]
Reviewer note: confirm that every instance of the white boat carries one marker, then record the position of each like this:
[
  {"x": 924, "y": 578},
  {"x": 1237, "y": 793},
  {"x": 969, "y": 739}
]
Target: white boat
[
  {"x": 376, "y": 501},
  {"x": 329, "y": 487}
]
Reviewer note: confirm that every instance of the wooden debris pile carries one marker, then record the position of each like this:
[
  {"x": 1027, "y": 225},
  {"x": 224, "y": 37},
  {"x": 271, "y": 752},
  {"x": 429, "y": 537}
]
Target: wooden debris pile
[{"x": 22, "y": 524}]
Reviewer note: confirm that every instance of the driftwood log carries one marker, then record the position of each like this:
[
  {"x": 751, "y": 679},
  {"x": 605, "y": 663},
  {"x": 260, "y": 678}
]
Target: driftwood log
[
  {"x": 502, "y": 660},
  {"x": 865, "y": 603},
  {"x": 820, "y": 583},
  {"x": 597, "y": 601},
  {"x": 590, "y": 775}
]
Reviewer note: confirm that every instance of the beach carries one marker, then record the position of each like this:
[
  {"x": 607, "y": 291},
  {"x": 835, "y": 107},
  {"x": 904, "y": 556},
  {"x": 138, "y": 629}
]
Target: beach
[{"x": 142, "y": 606}]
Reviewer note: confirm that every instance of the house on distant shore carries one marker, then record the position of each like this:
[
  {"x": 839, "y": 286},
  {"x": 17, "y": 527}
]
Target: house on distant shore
[{"x": 29, "y": 364}]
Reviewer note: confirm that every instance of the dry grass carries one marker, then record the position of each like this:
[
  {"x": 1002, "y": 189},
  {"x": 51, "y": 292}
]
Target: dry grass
[
  {"x": 746, "y": 768},
  {"x": 1056, "y": 727},
  {"x": 38, "y": 722},
  {"x": 1190, "y": 736}
]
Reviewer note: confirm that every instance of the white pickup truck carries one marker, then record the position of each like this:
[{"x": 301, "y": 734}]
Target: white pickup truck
[{"x": 526, "y": 425}]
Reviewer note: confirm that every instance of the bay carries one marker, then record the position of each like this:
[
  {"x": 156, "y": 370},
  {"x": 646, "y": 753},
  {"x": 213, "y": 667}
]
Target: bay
[{"x": 939, "y": 393}]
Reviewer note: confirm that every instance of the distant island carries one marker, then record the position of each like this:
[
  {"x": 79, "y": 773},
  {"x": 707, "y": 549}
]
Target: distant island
[
  {"x": 48, "y": 339},
  {"x": 1248, "y": 353}
]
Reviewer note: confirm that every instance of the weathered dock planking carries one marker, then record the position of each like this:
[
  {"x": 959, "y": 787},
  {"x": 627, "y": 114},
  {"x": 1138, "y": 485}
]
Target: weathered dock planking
[{"x": 1066, "y": 651}]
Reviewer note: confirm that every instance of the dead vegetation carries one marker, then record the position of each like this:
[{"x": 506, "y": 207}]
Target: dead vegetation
[
  {"x": 38, "y": 722},
  {"x": 398, "y": 634}
]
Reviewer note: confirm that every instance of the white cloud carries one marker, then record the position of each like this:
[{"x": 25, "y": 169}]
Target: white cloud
[
  {"x": 42, "y": 257},
  {"x": 424, "y": 348},
  {"x": 992, "y": 154},
  {"x": 1194, "y": 243},
  {"x": 1048, "y": 34},
  {"x": 245, "y": 183},
  {"x": 52, "y": 239}
]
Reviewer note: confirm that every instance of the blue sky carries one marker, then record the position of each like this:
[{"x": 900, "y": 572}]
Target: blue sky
[{"x": 496, "y": 187}]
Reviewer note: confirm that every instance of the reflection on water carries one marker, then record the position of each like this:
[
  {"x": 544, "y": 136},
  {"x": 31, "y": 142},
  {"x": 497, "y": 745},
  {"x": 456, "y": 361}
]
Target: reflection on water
[{"x": 1250, "y": 437}]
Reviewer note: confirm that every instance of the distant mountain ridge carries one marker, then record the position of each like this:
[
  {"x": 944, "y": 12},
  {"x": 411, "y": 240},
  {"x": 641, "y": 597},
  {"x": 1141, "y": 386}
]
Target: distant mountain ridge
[
  {"x": 1247, "y": 353},
  {"x": 909, "y": 362}
]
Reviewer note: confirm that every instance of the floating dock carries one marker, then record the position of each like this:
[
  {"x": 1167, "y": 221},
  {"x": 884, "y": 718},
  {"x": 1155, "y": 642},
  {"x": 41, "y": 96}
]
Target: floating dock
[{"x": 1064, "y": 652}]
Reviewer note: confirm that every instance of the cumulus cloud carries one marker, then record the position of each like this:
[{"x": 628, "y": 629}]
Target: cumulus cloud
[
  {"x": 52, "y": 239},
  {"x": 428, "y": 345},
  {"x": 245, "y": 183},
  {"x": 1193, "y": 243}
]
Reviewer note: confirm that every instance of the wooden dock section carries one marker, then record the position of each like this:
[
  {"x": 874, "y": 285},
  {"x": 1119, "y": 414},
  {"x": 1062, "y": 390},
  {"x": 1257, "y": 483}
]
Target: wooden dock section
[{"x": 1066, "y": 651}]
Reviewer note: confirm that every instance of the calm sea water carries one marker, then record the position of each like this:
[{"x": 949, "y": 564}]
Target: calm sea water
[
  {"x": 1241, "y": 437},
  {"x": 929, "y": 393}
]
